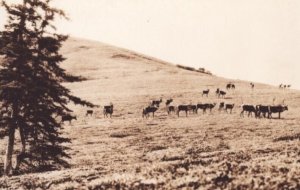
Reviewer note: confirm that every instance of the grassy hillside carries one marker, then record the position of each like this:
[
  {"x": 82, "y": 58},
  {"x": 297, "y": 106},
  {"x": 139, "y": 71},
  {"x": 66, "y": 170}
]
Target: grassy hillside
[{"x": 208, "y": 151}]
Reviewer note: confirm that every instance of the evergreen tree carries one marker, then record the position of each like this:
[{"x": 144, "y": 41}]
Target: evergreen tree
[{"x": 31, "y": 93}]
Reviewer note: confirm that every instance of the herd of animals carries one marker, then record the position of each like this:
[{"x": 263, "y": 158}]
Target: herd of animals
[{"x": 258, "y": 111}]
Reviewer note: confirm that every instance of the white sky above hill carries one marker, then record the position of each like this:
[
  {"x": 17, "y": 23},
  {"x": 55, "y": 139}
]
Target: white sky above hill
[{"x": 256, "y": 40}]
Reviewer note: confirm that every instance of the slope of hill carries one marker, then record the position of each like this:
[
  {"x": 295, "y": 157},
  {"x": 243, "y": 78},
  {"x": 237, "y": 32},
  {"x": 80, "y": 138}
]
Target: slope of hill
[{"x": 210, "y": 151}]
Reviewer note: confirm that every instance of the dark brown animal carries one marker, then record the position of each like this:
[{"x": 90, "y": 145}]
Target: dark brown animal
[
  {"x": 89, "y": 112},
  {"x": 229, "y": 107},
  {"x": 250, "y": 109},
  {"x": 202, "y": 107},
  {"x": 230, "y": 86},
  {"x": 169, "y": 101},
  {"x": 156, "y": 102},
  {"x": 205, "y": 92},
  {"x": 263, "y": 110},
  {"x": 217, "y": 92},
  {"x": 226, "y": 107},
  {"x": 206, "y": 106},
  {"x": 149, "y": 109},
  {"x": 170, "y": 109},
  {"x": 184, "y": 108},
  {"x": 277, "y": 109},
  {"x": 220, "y": 93},
  {"x": 108, "y": 110},
  {"x": 210, "y": 106},
  {"x": 68, "y": 118},
  {"x": 221, "y": 106},
  {"x": 193, "y": 108}
]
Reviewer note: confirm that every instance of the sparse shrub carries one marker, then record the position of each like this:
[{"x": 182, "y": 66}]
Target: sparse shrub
[
  {"x": 120, "y": 135},
  {"x": 157, "y": 147},
  {"x": 223, "y": 146},
  {"x": 122, "y": 56},
  {"x": 172, "y": 158},
  {"x": 200, "y": 70}
]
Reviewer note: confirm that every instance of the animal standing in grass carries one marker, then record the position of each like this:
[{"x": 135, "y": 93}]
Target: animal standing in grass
[
  {"x": 252, "y": 85},
  {"x": 250, "y": 109},
  {"x": 68, "y": 118},
  {"x": 186, "y": 109},
  {"x": 171, "y": 109},
  {"x": 263, "y": 110},
  {"x": 205, "y": 92},
  {"x": 206, "y": 106},
  {"x": 226, "y": 107},
  {"x": 230, "y": 86},
  {"x": 169, "y": 101},
  {"x": 220, "y": 93},
  {"x": 89, "y": 112},
  {"x": 277, "y": 109},
  {"x": 108, "y": 110},
  {"x": 149, "y": 109},
  {"x": 156, "y": 102}
]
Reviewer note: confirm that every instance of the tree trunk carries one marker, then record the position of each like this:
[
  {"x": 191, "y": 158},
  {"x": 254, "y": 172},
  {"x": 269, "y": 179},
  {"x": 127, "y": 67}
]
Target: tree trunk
[
  {"x": 22, "y": 136},
  {"x": 11, "y": 140},
  {"x": 20, "y": 157},
  {"x": 9, "y": 151}
]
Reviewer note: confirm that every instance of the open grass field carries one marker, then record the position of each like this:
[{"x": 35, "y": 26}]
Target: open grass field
[{"x": 215, "y": 150}]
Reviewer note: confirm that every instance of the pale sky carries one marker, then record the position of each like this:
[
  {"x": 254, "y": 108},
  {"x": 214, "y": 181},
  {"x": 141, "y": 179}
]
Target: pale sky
[{"x": 256, "y": 40}]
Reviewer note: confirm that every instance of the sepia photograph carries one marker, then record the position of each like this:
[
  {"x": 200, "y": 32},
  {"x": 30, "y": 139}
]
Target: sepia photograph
[{"x": 145, "y": 94}]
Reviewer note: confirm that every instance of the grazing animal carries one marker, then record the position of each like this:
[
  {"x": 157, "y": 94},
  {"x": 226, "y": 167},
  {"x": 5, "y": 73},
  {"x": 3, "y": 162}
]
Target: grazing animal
[
  {"x": 68, "y": 118},
  {"x": 170, "y": 109},
  {"x": 277, "y": 109},
  {"x": 210, "y": 106},
  {"x": 222, "y": 94},
  {"x": 184, "y": 108},
  {"x": 89, "y": 112},
  {"x": 252, "y": 85},
  {"x": 206, "y": 106},
  {"x": 226, "y": 107},
  {"x": 202, "y": 107},
  {"x": 205, "y": 92},
  {"x": 108, "y": 110},
  {"x": 169, "y": 101},
  {"x": 249, "y": 109},
  {"x": 261, "y": 109},
  {"x": 221, "y": 106},
  {"x": 149, "y": 109},
  {"x": 193, "y": 108},
  {"x": 230, "y": 86},
  {"x": 156, "y": 102},
  {"x": 229, "y": 107},
  {"x": 217, "y": 92}
]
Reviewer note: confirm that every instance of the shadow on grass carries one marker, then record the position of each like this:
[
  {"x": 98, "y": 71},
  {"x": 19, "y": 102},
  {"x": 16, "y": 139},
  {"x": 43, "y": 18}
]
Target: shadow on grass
[{"x": 288, "y": 138}]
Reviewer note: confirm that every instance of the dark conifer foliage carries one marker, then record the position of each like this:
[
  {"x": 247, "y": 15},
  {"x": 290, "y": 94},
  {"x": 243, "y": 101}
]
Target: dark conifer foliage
[{"x": 31, "y": 95}]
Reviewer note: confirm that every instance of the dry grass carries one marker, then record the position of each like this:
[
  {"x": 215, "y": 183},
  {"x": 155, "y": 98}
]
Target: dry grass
[{"x": 207, "y": 151}]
